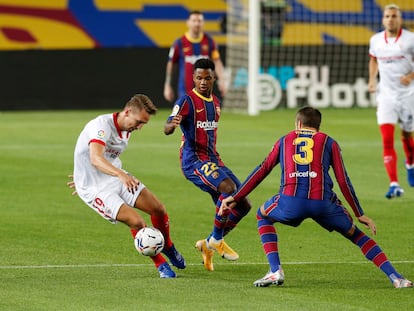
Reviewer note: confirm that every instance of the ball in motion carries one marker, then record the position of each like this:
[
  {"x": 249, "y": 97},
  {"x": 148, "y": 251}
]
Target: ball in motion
[{"x": 149, "y": 241}]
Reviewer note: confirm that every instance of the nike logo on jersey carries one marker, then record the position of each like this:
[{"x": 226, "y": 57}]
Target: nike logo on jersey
[{"x": 199, "y": 110}]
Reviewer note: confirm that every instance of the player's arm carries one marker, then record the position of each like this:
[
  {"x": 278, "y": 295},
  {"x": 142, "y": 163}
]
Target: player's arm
[
  {"x": 344, "y": 182},
  {"x": 172, "y": 124},
  {"x": 258, "y": 174},
  {"x": 96, "y": 155},
  {"x": 168, "y": 89},
  {"x": 222, "y": 79},
  {"x": 373, "y": 74}
]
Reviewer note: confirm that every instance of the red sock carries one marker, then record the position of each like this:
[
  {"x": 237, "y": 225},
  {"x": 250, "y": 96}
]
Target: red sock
[
  {"x": 408, "y": 144},
  {"x": 158, "y": 260},
  {"x": 389, "y": 154},
  {"x": 133, "y": 232},
  {"x": 162, "y": 223}
]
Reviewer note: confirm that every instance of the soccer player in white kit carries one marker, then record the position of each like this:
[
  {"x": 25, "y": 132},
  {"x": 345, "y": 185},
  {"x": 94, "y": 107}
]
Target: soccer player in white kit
[
  {"x": 111, "y": 191},
  {"x": 392, "y": 57}
]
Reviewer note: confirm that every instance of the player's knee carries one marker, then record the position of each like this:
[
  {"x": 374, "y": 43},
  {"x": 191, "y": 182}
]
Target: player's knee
[
  {"x": 352, "y": 232},
  {"x": 261, "y": 213},
  {"x": 158, "y": 209},
  {"x": 136, "y": 223}
]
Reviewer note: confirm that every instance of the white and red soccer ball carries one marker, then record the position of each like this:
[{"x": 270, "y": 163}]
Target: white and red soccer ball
[{"x": 149, "y": 241}]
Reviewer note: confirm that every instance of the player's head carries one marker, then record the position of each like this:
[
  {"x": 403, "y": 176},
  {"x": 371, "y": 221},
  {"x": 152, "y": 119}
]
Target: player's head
[
  {"x": 308, "y": 117},
  {"x": 204, "y": 76},
  {"x": 140, "y": 102},
  {"x": 195, "y": 23},
  {"x": 136, "y": 113},
  {"x": 392, "y": 19}
]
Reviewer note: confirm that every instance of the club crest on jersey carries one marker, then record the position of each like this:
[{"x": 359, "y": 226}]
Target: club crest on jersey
[{"x": 215, "y": 175}]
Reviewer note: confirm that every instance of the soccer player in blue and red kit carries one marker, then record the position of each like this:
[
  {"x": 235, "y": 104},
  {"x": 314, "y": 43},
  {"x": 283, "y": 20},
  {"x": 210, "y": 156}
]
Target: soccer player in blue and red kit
[
  {"x": 306, "y": 191},
  {"x": 185, "y": 51},
  {"x": 198, "y": 113}
]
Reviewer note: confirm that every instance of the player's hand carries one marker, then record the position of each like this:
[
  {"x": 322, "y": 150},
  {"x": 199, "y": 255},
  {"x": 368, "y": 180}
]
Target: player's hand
[
  {"x": 369, "y": 223},
  {"x": 372, "y": 87},
  {"x": 169, "y": 93},
  {"x": 405, "y": 80},
  {"x": 223, "y": 87},
  {"x": 226, "y": 204},
  {"x": 176, "y": 120},
  {"x": 71, "y": 184},
  {"x": 130, "y": 182}
]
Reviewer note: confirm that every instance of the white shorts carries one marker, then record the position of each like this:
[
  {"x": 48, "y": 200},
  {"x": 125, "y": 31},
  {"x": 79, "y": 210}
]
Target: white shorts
[
  {"x": 110, "y": 198},
  {"x": 396, "y": 109}
]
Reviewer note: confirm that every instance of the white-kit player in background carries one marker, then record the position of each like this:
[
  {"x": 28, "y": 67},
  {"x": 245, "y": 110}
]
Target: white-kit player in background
[
  {"x": 392, "y": 57},
  {"x": 112, "y": 192}
]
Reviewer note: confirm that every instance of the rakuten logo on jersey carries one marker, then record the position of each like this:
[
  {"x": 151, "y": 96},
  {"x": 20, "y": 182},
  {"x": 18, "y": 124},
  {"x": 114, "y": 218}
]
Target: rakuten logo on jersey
[
  {"x": 303, "y": 174},
  {"x": 207, "y": 125}
]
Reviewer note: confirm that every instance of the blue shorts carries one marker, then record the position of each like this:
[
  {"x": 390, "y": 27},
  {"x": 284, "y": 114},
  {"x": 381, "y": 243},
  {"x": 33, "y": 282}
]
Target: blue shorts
[
  {"x": 208, "y": 175},
  {"x": 331, "y": 215}
]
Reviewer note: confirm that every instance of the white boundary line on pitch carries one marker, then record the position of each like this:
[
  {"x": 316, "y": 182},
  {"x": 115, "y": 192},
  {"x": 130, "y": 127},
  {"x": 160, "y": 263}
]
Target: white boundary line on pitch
[{"x": 193, "y": 264}]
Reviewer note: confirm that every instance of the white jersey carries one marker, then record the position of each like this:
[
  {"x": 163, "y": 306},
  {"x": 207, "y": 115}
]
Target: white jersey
[
  {"x": 103, "y": 130},
  {"x": 395, "y": 57}
]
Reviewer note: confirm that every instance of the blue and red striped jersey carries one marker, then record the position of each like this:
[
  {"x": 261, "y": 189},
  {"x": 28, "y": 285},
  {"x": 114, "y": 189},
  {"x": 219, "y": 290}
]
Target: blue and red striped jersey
[
  {"x": 200, "y": 116},
  {"x": 305, "y": 158},
  {"x": 185, "y": 52}
]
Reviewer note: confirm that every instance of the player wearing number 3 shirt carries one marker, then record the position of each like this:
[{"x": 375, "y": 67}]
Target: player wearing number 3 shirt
[
  {"x": 198, "y": 113},
  {"x": 392, "y": 57},
  {"x": 305, "y": 156}
]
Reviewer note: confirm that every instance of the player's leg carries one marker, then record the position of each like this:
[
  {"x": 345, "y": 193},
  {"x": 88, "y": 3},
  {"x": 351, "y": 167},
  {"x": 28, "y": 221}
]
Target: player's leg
[
  {"x": 374, "y": 253},
  {"x": 210, "y": 177},
  {"x": 269, "y": 239},
  {"x": 149, "y": 203},
  {"x": 387, "y": 117},
  {"x": 337, "y": 218},
  {"x": 407, "y": 128},
  {"x": 408, "y": 145},
  {"x": 390, "y": 160},
  {"x": 216, "y": 239},
  {"x": 127, "y": 215},
  {"x": 242, "y": 208}
]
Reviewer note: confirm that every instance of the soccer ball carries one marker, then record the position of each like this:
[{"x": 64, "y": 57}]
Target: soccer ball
[{"x": 149, "y": 241}]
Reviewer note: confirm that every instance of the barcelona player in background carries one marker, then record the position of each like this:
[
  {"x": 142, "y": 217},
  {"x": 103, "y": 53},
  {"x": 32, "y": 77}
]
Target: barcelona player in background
[
  {"x": 198, "y": 113},
  {"x": 185, "y": 51},
  {"x": 306, "y": 191}
]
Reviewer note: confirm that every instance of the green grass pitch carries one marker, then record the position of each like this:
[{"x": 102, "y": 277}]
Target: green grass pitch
[{"x": 57, "y": 254}]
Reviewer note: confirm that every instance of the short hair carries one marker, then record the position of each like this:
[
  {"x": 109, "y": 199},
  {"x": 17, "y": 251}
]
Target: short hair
[
  {"x": 141, "y": 101},
  {"x": 309, "y": 116},
  {"x": 194, "y": 12},
  {"x": 392, "y": 6},
  {"x": 204, "y": 63}
]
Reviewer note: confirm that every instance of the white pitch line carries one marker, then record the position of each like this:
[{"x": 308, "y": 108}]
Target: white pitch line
[{"x": 195, "y": 264}]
